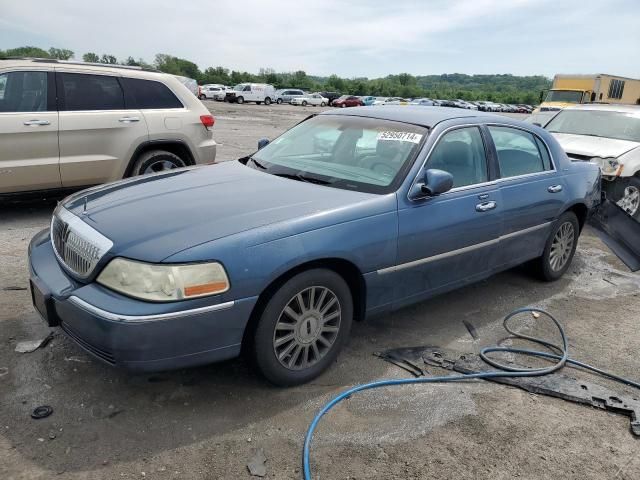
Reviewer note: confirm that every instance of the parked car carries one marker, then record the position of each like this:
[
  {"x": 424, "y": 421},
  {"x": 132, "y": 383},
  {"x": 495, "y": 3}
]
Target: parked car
[
  {"x": 222, "y": 94},
  {"x": 380, "y": 100},
  {"x": 467, "y": 105},
  {"x": 331, "y": 96},
  {"x": 348, "y": 101},
  {"x": 210, "y": 91},
  {"x": 251, "y": 92},
  {"x": 367, "y": 101},
  {"x": 393, "y": 206},
  {"x": 103, "y": 124},
  {"x": 395, "y": 101},
  {"x": 285, "y": 96},
  {"x": 609, "y": 136},
  {"x": 448, "y": 103},
  {"x": 425, "y": 102},
  {"x": 313, "y": 99}
]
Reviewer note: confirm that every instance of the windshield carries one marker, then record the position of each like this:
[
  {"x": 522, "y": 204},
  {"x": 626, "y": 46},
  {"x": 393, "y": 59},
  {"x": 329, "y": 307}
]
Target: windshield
[
  {"x": 618, "y": 125},
  {"x": 240, "y": 87},
  {"x": 565, "y": 96},
  {"x": 354, "y": 153}
]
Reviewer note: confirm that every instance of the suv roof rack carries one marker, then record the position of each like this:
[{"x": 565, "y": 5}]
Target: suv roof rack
[{"x": 72, "y": 62}]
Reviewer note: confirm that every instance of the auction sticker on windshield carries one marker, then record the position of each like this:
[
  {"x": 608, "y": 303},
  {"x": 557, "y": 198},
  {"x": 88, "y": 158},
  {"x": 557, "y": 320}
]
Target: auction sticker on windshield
[{"x": 400, "y": 136}]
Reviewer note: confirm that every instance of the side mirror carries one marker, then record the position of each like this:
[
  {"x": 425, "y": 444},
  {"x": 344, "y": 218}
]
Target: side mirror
[
  {"x": 263, "y": 142},
  {"x": 435, "y": 182}
]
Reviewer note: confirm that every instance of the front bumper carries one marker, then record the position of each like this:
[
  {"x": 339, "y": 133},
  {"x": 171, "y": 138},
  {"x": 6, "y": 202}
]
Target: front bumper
[{"x": 129, "y": 333}]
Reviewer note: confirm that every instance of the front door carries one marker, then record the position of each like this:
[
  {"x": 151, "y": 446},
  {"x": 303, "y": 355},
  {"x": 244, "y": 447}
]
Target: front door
[
  {"x": 97, "y": 131},
  {"x": 448, "y": 240},
  {"x": 28, "y": 132}
]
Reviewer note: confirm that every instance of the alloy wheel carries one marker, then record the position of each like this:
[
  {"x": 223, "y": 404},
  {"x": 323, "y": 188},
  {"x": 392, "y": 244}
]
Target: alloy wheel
[
  {"x": 630, "y": 201},
  {"x": 307, "y": 328},
  {"x": 159, "y": 166},
  {"x": 562, "y": 246}
]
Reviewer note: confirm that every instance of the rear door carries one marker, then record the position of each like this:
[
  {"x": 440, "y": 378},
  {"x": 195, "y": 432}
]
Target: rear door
[
  {"x": 533, "y": 192},
  {"x": 28, "y": 131},
  {"x": 450, "y": 239},
  {"x": 98, "y": 133}
]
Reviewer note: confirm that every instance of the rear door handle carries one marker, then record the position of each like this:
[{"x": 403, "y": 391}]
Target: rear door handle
[
  {"x": 485, "y": 206},
  {"x": 554, "y": 188},
  {"x": 36, "y": 123},
  {"x": 129, "y": 119}
]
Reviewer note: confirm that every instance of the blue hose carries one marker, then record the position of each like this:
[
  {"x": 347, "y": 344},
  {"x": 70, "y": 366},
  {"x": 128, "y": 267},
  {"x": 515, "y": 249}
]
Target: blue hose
[{"x": 561, "y": 359}]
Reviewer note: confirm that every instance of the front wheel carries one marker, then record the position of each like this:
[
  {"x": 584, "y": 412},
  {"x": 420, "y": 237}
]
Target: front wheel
[
  {"x": 240, "y": 100},
  {"x": 342, "y": 105},
  {"x": 304, "y": 103},
  {"x": 630, "y": 199},
  {"x": 322, "y": 104},
  {"x": 560, "y": 248},
  {"x": 267, "y": 101},
  {"x": 202, "y": 96},
  {"x": 303, "y": 327}
]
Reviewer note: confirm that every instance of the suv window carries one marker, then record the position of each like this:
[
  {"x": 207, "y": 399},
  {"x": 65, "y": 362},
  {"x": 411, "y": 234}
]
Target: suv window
[
  {"x": 23, "y": 92},
  {"x": 147, "y": 94},
  {"x": 518, "y": 152},
  {"x": 461, "y": 153},
  {"x": 91, "y": 92}
]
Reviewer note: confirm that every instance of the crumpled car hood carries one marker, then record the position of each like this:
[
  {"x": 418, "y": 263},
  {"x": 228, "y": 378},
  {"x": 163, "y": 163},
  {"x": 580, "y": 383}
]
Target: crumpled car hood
[
  {"x": 594, "y": 146},
  {"x": 150, "y": 218}
]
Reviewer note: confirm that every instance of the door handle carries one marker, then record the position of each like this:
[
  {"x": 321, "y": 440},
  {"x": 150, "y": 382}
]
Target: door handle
[
  {"x": 554, "y": 188},
  {"x": 485, "y": 206},
  {"x": 129, "y": 119},
  {"x": 36, "y": 123}
]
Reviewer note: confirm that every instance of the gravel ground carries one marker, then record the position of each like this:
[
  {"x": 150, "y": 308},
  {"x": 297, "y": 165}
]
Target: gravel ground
[{"x": 206, "y": 423}]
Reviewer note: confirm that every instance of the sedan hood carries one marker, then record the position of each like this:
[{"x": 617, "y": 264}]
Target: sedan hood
[
  {"x": 153, "y": 217},
  {"x": 594, "y": 146}
]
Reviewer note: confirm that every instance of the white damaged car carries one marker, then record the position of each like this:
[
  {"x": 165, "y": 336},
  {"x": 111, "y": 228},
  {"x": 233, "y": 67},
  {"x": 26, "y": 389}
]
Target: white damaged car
[
  {"x": 608, "y": 135},
  {"x": 314, "y": 99}
]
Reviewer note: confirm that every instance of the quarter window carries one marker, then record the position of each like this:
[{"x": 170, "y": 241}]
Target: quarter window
[
  {"x": 91, "y": 92},
  {"x": 461, "y": 153},
  {"x": 23, "y": 92},
  {"x": 149, "y": 94},
  {"x": 519, "y": 152}
]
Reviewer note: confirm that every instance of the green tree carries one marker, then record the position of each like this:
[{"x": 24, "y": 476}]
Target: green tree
[
  {"x": 90, "y": 57},
  {"x": 177, "y": 66},
  {"x": 33, "y": 52},
  {"x": 60, "y": 53},
  {"x": 110, "y": 59}
]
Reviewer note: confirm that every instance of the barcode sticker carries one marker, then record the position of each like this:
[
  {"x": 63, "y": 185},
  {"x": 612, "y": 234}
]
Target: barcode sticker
[{"x": 400, "y": 136}]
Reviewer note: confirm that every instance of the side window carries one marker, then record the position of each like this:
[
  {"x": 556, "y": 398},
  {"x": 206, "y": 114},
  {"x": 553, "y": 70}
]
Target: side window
[
  {"x": 91, "y": 92},
  {"x": 148, "y": 94},
  {"x": 23, "y": 92},
  {"x": 247, "y": 88},
  {"x": 461, "y": 153},
  {"x": 518, "y": 152}
]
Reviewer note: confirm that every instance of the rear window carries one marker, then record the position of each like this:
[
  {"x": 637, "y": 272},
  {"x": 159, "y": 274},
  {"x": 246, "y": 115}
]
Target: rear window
[
  {"x": 91, "y": 92},
  {"x": 147, "y": 94}
]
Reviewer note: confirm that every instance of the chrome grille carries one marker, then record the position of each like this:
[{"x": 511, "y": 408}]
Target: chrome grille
[{"x": 78, "y": 246}]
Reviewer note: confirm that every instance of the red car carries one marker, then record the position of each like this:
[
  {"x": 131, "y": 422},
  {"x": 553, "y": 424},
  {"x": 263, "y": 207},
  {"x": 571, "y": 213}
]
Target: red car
[{"x": 347, "y": 101}]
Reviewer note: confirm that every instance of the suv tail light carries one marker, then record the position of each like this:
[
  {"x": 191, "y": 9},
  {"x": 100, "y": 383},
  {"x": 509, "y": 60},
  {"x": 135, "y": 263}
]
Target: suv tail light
[{"x": 207, "y": 121}]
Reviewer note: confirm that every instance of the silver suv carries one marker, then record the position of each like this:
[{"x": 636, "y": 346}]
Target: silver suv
[{"x": 72, "y": 124}]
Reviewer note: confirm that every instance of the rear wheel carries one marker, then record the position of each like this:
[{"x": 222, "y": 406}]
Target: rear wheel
[
  {"x": 630, "y": 199},
  {"x": 342, "y": 105},
  {"x": 202, "y": 96},
  {"x": 279, "y": 101},
  {"x": 156, "y": 161},
  {"x": 560, "y": 248},
  {"x": 303, "y": 327},
  {"x": 267, "y": 101},
  {"x": 240, "y": 100},
  {"x": 322, "y": 104}
]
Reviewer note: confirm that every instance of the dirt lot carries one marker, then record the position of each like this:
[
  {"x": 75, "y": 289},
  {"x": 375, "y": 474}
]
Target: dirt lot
[{"x": 205, "y": 423}]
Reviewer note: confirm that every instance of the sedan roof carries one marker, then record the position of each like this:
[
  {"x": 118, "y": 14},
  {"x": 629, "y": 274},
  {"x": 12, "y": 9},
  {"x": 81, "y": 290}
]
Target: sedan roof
[{"x": 425, "y": 116}]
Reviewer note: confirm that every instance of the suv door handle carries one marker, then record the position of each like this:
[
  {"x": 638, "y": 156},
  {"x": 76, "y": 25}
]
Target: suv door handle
[
  {"x": 485, "y": 206},
  {"x": 554, "y": 188},
  {"x": 34, "y": 123},
  {"x": 129, "y": 119}
]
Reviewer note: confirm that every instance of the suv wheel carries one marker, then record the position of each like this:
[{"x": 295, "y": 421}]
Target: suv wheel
[
  {"x": 240, "y": 100},
  {"x": 267, "y": 101},
  {"x": 156, "y": 161},
  {"x": 560, "y": 248},
  {"x": 630, "y": 199},
  {"x": 279, "y": 101},
  {"x": 202, "y": 96},
  {"x": 303, "y": 327}
]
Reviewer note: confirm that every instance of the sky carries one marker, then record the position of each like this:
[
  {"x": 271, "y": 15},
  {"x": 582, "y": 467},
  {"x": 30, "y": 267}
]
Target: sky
[{"x": 351, "y": 38}]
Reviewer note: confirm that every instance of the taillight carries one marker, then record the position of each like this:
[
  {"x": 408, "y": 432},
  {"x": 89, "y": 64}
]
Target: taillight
[{"x": 207, "y": 120}]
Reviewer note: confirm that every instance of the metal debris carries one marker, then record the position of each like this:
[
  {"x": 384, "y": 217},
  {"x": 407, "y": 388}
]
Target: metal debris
[
  {"x": 256, "y": 465},
  {"x": 29, "y": 346},
  {"x": 13, "y": 288}
]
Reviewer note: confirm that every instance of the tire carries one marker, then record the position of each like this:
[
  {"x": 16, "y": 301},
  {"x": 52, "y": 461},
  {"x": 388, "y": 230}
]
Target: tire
[
  {"x": 545, "y": 266},
  {"x": 629, "y": 199},
  {"x": 322, "y": 104},
  {"x": 202, "y": 97},
  {"x": 279, "y": 101},
  {"x": 342, "y": 105},
  {"x": 156, "y": 161},
  {"x": 240, "y": 100},
  {"x": 304, "y": 103},
  {"x": 267, "y": 101},
  {"x": 304, "y": 344}
]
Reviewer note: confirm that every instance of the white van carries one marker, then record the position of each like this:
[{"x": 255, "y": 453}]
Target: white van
[{"x": 251, "y": 92}]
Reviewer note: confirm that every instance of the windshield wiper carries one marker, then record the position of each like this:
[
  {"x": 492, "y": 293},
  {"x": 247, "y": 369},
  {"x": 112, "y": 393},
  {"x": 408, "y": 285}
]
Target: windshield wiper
[
  {"x": 302, "y": 178},
  {"x": 257, "y": 163}
]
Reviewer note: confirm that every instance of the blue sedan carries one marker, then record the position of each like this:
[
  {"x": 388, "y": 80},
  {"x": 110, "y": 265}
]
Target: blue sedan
[{"x": 351, "y": 213}]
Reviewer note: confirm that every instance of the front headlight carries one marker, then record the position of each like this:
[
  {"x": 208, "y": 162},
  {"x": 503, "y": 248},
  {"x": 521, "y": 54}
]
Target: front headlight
[
  {"x": 164, "y": 283},
  {"x": 609, "y": 166}
]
